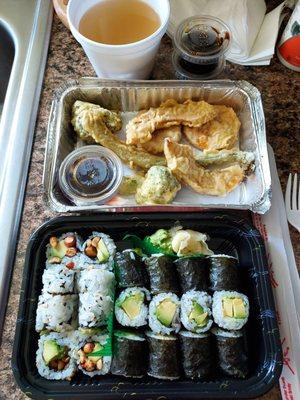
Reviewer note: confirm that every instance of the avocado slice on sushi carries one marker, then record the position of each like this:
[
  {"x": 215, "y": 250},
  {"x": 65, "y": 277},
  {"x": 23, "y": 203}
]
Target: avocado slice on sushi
[
  {"x": 233, "y": 308},
  {"x": 102, "y": 252},
  {"x": 94, "y": 356},
  {"x": 59, "y": 250},
  {"x": 198, "y": 315},
  {"x": 165, "y": 311},
  {"x": 53, "y": 351},
  {"x": 132, "y": 304}
]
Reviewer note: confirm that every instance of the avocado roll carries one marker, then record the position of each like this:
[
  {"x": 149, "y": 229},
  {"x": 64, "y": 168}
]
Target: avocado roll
[
  {"x": 92, "y": 354},
  {"x": 223, "y": 273},
  {"x": 56, "y": 312},
  {"x": 162, "y": 274},
  {"x": 54, "y": 358},
  {"x": 130, "y": 354},
  {"x": 164, "y": 360},
  {"x": 192, "y": 273},
  {"x": 99, "y": 248},
  {"x": 195, "y": 311},
  {"x": 96, "y": 280},
  {"x": 164, "y": 310},
  {"x": 58, "y": 280},
  {"x": 230, "y": 309},
  {"x": 65, "y": 249},
  {"x": 130, "y": 269},
  {"x": 94, "y": 309},
  {"x": 196, "y": 354},
  {"x": 131, "y": 307},
  {"x": 232, "y": 357}
]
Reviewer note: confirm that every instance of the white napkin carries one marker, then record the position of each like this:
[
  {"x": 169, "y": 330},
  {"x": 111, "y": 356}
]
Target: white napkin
[{"x": 254, "y": 32}]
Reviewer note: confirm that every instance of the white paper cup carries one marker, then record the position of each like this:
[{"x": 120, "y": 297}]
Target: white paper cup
[{"x": 127, "y": 61}]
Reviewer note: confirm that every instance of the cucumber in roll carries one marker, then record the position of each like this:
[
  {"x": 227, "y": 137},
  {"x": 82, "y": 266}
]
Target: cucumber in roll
[
  {"x": 193, "y": 273},
  {"x": 230, "y": 309},
  {"x": 130, "y": 269},
  {"x": 162, "y": 274},
  {"x": 131, "y": 308},
  {"x": 164, "y": 310},
  {"x": 223, "y": 272},
  {"x": 195, "y": 311},
  {"x": 233, "y": 360},
  {"x": 130, "y": 354},
  {"x": 196, "y": 354},
  {"x": 164, "y": 359},
  {"x": 54, "y": 358}
]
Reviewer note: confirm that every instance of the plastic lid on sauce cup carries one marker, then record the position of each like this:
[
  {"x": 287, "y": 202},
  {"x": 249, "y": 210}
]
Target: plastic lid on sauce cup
[{"x": 90, "y": 175}]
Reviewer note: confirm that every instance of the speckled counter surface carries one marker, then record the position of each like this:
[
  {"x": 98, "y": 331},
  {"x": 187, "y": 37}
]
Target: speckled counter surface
[{"x": 280, "y": 90}]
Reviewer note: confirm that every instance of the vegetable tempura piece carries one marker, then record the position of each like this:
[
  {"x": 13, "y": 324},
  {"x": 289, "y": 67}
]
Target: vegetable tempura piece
[
  {"x": 184, "y": 166},
  {"x": 217, "y": 134},
  {"x": 106, "y": 119},
  {"x": 156, "y": 144},
  {"x": 170, "y": 113},
  {"x": 159, "y": 187},
  {"x": 89, "y": 124}
]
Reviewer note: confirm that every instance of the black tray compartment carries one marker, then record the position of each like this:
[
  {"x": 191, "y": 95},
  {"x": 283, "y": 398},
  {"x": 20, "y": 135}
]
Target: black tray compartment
[{"x": 230, "y": 235}]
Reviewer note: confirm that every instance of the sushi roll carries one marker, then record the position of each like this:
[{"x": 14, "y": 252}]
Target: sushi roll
[
  {"x": 131, "y": 308},
  {"x": 193, "y": 273},
  {"x": 92, "y": 354},
  {"x": 230, "y": 309},
  {"x": 96, "y": 279},
  {"x": 54, "y": 357},
  {"x": 56, "y": 312},
  {"x": 223, "y": 273},
  {"x": 58, "y": 280},
  {"x": 196, "y": 354},
  {"x": 130, "y": 270},
  {"x": 64, "y": 249},
  {"x": 99, "y": 248},
  {"x": 94, "y": 309},
  {"x": 233, "y": 360},
  {"x": 130, "y": 354},
  {"x": 195, "y": 311},
  {"x": 164, "y": 359},
  {"x": 162, "y": 274},
  {"x": 164, "y": 310}
]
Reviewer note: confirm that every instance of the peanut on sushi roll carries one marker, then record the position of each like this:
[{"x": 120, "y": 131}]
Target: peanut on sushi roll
[{"x": 65, "y": 249}]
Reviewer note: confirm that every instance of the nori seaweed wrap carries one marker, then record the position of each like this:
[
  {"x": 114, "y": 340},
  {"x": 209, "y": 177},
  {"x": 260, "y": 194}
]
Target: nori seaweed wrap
[
  {"x": 223, "y": 273},
  {"x": 130, "y": 270},
  {"x": 192, "y": 273},
  {"x": 162, "y": 274},
  {"x": 197, "y": 354},
  {"x": 164, "y": 360},
  {"x": 231, "y": 352},
  {"x": 129, "y": 354}
]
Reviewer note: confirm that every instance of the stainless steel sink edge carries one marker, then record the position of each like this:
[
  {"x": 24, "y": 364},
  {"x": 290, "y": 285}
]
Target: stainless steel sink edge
[{"x": 17, "y": 129}]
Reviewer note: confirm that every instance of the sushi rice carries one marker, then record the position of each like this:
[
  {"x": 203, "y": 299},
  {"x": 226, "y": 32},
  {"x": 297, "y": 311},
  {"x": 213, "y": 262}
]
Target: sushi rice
[
  {"x": 94, "y": 309},
  {"x": 155, "y": 325},
  {"x": 43, "y": 369},
  {"x": 188, "y": 301},
  {"x": 58, "y": 280},
  {"x": 109, "y": 244},
  {"x": 82, "y": 339},
  {"x": 56, "y": 312},
  {"x": 94, "y": 279},
  {"x": 225, "y": 321},
  {"x": 122, "y": 317}
]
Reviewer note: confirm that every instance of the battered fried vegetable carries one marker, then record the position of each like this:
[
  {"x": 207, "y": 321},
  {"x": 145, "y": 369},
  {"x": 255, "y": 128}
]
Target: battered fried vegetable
[
  {"x": 130, "y": 185},
  {"x": 184, "y": 166},
  {"x": 89, "y": 124},
  {"x": 170, "y": 113}
]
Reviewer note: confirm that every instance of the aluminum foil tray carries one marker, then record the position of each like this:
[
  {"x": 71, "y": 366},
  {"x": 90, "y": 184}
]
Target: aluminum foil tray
[{"x": 131, "y": 96}]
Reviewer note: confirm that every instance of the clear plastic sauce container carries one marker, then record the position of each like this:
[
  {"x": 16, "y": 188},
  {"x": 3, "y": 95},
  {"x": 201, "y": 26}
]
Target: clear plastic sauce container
[{"x": 200, "y": 44}]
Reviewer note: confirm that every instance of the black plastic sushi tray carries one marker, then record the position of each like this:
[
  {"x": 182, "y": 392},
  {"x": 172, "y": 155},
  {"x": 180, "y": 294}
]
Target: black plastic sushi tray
[{"x": 228, "y": 234}]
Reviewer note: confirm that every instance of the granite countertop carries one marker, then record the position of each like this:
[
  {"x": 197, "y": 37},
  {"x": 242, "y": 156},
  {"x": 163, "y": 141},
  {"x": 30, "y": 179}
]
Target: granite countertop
[{"x": 66, "y": 60}]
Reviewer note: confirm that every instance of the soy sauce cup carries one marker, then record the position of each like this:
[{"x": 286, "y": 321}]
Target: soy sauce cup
[
  {"x": 127, "y": 61},
  {"x": 200, "y": 44}
]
